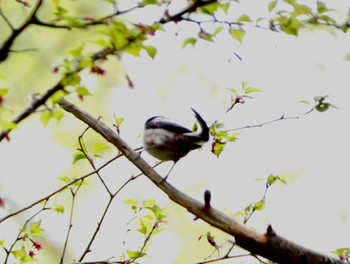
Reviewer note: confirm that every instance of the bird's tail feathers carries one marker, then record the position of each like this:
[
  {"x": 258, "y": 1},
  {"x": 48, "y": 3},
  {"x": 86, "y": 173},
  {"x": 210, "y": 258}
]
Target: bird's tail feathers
[{"x": 201, "y": 135}]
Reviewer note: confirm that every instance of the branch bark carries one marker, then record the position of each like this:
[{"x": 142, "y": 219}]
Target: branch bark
[{"x": 269, "y": 245}]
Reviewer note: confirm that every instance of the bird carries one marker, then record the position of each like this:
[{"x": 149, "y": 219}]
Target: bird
[{"x": 168, "y": 140}]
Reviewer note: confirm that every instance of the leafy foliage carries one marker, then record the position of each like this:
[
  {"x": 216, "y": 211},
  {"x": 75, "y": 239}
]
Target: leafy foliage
[
  {"x": 148, "y": 226},
  {"x": 113, "y": 35}
]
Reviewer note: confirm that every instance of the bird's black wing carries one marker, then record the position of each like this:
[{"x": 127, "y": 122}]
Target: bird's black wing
[{"x": 175, "y": 127}]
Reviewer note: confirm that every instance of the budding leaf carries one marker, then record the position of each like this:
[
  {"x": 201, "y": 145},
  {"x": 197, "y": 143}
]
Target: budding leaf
[{"x": 237, "y": 34}]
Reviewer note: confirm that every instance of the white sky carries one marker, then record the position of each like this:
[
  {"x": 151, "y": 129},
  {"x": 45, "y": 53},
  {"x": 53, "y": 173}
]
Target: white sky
[{"x": 311, "y": 152}]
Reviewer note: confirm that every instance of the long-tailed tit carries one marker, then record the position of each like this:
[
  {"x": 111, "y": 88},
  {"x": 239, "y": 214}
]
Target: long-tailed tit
[{"x": 167, "y": 139}]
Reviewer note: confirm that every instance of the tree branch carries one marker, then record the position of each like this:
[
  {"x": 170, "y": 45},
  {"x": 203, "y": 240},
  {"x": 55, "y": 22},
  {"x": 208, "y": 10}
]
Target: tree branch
[
  {"x": 6, "y": 48},
  {"x": 269, "y": 245},
  {"x": 32, "y": 19},
  {"x": 58, "y": 190},
  {"x": 37, "y": 102},
  {"x": 191, "y": 8}
]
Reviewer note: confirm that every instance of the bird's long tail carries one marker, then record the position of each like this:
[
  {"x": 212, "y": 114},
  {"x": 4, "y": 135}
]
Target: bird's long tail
[{"x": 201, "y": 135}]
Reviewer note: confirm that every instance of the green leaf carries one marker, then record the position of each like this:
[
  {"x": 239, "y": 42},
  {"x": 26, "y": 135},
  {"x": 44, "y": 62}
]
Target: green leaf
[
  {"x": 78, "y": 51},
  {"x": 271, "y": 5},
  {"x": 218, "y": 148},
  {"x": 237, "y": 33},
  {"x": 135, "y": 254},
  {"x": 234, "y": 91},
  {"x": 322, "y": 107},
  {"x": 131, "y": 201},
  {"x": 328, "y": 20},
  {"x": 320, "y": 99},
  {"x": 78, "y": 156},
  {"x": 2, "y": 242},
  {"x": 251, "y": 90},
  {"x": 224, "y": 7},
  {"x": 113, "y": 2},
  {"x": 133, "y": 49},
  {"x": 150, "y": 2},
  {"x": 57, "y": 114},
  {"x": 58, "y": 208},
  {"x": 3, "y": 92},
  {"x": 36, "y": 230},
  {"x": 60, "y": 11},
  {"x": 19, "y": 254},
  {"x": 244, "y": 18},
  {"x": 321, "y": 7},
  {"x": 344, "y": 252},
  {"x": 104, "y": 43},
  {"x": 248, "y": 209},
  {"x": 119, "y": 120},
  {"x": 271, "y": 179},
  {"x": 122, "y": 256},
  {"x": 71, "y": 79},
  {"x": 210, "y": 8},
  {"x": 57, "y": 96},
  {"x": 205, "y": 36},
  {"x": 304, "y": 102},
  {"x": 291, "y": 2},
  {"x": 100, "y": 147},
  {"x": 45, "y": 117},
  {"x": 8, "y": 125},
  {"x": 148, "y": 202},
  {"x": 157, "y": 211},
  {"x": 232, "y": 137},
  {"x": 82, "y": 91},
  {"x": 152, "y": 51},
  {"x": 188, "y": 41},
  {"x": 218, "y": 30},
  {"x": 281, "y": 179},
  {"x": 301, "y": 10},
  {"x": 145, "y": 226},
  {"x": 65, "y": 179},
  {"x": 289, "y": 25},
  {"x": 259, "y": 205}
]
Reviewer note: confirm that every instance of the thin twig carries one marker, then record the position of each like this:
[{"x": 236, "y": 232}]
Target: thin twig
[
  {"x": 264, "y": 123},
  {"x": 74, "y": 195},
  {"x": 92, "y": 22},
  {"x": 88, "y": 248},
  {"x": 6, "y": 47},
  {"x": 23, "y": 228},
  {"x": 60, "y": 189}
]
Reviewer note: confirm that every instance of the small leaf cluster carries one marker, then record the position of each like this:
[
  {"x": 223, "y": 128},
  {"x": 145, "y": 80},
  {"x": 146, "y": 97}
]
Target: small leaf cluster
[
  {"x": 149, "y": 216},
  {"x": 321, "y": 105},
  {"x": 235, "y": 28},
  {"x": 220, "y": 138},
  {"x": 210, "y": 238},
  {"x": 118, "y": 36},
  {"x": 25, "y": 247},
  {"x": 343, "y": 254},
  {"x": 238, "y": 97},
  {"x": 250, "y": 209},
  {"x": 291, "y": 21},
  {"x": 81, "y": 154},
  {"x": 5, "y": 112},
  {"x": 288, "y": 16},
  {"x": 62, "y": 17}
]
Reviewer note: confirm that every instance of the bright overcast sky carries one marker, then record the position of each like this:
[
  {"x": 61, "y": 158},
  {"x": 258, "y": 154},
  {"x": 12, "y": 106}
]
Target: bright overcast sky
[{"x": 311, "y": 152}]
